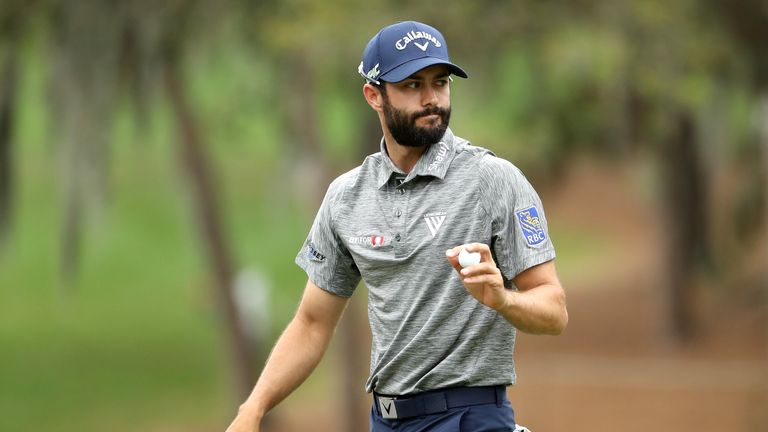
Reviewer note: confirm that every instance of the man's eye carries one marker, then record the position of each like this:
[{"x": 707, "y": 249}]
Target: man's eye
[
  {"x": 412, "y": 85},
  {"x": 441, "y": 82}
]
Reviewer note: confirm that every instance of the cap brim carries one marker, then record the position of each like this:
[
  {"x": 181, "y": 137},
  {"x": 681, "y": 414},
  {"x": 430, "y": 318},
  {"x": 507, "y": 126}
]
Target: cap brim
[{"x": 409, "y": 68}]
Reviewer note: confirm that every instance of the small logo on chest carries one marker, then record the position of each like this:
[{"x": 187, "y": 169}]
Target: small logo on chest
[
  {"x": 434, "y": 221},
  {"x": 367, "y": 240}
]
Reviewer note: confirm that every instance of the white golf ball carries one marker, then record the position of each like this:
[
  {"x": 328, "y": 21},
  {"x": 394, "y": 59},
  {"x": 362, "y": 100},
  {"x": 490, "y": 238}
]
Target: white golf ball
[{"x": 467, "y": 259}]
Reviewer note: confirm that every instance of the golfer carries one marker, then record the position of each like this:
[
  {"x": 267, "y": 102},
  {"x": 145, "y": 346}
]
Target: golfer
[{"x": 443, "y": 334}]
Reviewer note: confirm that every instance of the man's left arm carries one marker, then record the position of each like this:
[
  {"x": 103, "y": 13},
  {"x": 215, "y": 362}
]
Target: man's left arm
[{"x": 538, "y": 305}]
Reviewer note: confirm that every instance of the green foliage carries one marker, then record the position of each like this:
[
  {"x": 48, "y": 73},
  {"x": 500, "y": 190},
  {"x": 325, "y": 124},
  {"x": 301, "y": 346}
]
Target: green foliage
[
  {"x": 340, "y": 120},
  {"x": 135, "y": 331}
]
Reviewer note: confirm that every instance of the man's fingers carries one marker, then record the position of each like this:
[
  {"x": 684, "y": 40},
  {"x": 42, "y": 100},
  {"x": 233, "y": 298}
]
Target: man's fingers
[
  {"x": 482, "y": 248},
  {"x": 453, "y": 257},
  {"x": 480, "y": 279},
  {"x": 454, "y": 251},
  {"x": 480, "y": 269}
]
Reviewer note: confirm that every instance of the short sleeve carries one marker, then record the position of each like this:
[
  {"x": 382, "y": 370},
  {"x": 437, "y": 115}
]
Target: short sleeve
[
  {"x": 324, "y": 257},
  {"x": 520, "y": 238}
]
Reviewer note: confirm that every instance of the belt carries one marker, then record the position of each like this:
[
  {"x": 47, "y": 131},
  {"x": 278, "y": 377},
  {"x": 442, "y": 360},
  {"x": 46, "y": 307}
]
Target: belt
[{"x": 433, "y": 402}]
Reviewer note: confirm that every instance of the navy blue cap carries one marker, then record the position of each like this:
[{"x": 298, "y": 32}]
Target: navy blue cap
[{"x": 400, "y": 50}]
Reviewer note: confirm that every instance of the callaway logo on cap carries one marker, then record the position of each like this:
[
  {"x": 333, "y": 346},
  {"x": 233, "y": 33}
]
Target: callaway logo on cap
[{"x": 400, "y": 50}]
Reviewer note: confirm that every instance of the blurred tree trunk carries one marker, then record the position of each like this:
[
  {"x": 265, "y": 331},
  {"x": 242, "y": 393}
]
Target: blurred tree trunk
[
  {"x": 763, "y": 125},
  {"x": 619, "y": 92},
  {"x": 746, "y": 21},
  {"x": 13, "y": 16},
  {"x": 199, "y": 174},
  {"x": 84, "y": 51},
  {"x": 310, "y": 168},
  {"x": 7, "y": 104},
  {"x": 686, "y": 210}
]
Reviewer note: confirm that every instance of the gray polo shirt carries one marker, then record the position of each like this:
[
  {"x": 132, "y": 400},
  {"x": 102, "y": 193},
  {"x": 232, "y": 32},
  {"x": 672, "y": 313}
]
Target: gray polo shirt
[{"x": 393, "y": 229}]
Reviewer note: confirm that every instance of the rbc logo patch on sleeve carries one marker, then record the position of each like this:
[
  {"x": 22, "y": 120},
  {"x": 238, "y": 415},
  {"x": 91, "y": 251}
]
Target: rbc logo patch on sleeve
[{"x": 531, "y": 226}]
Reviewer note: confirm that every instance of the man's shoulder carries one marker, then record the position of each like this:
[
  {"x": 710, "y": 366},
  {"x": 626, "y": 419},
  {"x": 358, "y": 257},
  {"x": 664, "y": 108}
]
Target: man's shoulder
[
  {"x": 493, "y": 163},
  {"x": 494, "y": 172},
  {"x": 486, "y": 159},
  {"x": 354, "y": 177},
  {"x": 345, "y": 180}
]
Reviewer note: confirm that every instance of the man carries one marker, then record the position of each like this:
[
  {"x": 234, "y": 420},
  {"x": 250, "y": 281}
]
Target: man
[{"x": 443, "y": 335}]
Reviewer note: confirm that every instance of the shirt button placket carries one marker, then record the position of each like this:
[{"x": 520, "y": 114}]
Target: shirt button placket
[{"x": 401, "y": 199}]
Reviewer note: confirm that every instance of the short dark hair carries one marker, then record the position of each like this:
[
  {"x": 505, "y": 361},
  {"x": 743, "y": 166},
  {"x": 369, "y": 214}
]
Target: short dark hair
[{"x": 382, "y": 88}]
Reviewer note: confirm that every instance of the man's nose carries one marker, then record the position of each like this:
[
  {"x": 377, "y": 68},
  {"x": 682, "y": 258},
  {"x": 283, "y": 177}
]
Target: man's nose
[{"x": 428, "y": 96}]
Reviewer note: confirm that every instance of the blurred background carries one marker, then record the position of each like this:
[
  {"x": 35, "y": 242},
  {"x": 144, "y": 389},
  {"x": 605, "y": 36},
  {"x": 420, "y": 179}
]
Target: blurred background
[{"x": 161, "y": 163}]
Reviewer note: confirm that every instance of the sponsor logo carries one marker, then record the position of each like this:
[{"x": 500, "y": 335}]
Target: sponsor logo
[
  {"x": 531, "y": 226},
  {"x": 367, "y": 240},
  {"x": 412, "y": 36},
  {"x": 435, "y": 221},
  {"x": 442, "y": 152},
  {"x": 423, "y": 46},
  {"x": 372, "y": 74},
  {"x": 313, "y": 254},
  {"x": 387, "y": 407}
]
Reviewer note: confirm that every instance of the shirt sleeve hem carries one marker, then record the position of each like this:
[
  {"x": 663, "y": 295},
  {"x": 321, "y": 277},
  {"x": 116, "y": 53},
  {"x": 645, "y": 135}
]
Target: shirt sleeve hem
[
  {"x": 531, "y": 261},
  {"x": 322, "y": 282}
]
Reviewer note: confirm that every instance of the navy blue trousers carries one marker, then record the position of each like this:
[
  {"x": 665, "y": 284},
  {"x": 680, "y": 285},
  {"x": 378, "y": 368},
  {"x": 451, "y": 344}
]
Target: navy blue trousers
[{"x": 489, "y": 417}]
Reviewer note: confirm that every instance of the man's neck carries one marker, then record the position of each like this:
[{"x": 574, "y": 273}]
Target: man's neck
[{"x": 404, "y": 157}]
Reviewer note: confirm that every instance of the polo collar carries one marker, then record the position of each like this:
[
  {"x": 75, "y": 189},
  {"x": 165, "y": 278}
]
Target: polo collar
[{"x": 434, "y": 162}]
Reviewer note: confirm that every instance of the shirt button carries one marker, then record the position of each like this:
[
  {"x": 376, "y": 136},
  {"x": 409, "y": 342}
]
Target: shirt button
[
  {"x": 397, "y": 237},
  {"x": 398, "y": 213}
]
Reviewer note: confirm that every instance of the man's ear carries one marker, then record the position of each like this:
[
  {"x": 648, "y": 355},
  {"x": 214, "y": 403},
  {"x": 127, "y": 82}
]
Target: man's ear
[{"x": 373, "y": 97}]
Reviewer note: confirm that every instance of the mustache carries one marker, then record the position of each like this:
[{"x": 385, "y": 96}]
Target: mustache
[{"x": 442, "y": 112}]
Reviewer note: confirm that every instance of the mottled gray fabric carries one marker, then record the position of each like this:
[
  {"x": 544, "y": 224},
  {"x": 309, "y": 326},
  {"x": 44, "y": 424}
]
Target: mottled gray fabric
[{"x": 394, "y": 229}]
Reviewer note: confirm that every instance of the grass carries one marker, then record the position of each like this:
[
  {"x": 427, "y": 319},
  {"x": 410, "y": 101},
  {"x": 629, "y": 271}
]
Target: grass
[
  {"x": 134, "y": 342},
  {"x": 136, "y": 339}
]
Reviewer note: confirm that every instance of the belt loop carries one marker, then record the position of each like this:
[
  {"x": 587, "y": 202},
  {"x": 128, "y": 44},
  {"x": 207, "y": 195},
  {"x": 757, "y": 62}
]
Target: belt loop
[
  {"x": 500, "y": 390},
  {"x": 376, "y": 404}
]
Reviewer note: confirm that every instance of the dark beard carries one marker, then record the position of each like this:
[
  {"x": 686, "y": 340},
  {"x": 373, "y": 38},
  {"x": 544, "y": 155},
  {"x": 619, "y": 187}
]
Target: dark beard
[{"x": 403, "y": 127}]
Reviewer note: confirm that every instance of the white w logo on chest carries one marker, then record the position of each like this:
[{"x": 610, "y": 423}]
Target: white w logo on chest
[{"x": 434, "y": 221}]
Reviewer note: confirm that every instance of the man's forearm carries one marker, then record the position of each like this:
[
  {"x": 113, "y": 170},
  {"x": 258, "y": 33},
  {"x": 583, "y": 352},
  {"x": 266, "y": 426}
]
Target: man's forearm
[
  {"x": 539, "y": 310},
  {"x": 294, "y": 357}
]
